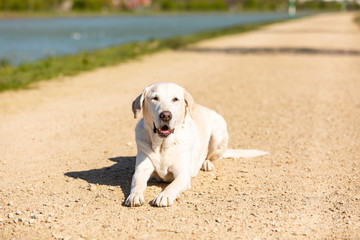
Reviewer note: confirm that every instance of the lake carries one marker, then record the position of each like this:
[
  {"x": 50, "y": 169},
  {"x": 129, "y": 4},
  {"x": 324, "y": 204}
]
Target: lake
[{"x": 25, "y": 40}]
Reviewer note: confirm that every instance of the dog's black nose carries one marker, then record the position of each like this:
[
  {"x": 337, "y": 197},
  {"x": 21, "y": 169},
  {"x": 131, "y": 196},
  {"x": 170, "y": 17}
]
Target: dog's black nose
[{"x": 165, "y": 116}]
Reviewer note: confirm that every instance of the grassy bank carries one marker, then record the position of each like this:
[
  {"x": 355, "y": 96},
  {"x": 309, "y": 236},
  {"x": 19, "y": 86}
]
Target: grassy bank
[
  {"x": 357, "y": 20},
  {"x": 15, "y": 77}
]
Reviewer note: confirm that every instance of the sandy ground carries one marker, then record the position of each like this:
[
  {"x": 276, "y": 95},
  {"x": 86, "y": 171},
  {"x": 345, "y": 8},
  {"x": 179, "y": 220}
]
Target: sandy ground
[{"x": 67, "y": 146}]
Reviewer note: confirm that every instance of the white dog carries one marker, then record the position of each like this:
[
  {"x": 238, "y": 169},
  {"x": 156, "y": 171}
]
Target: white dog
[{"x": 175, "y": 139}]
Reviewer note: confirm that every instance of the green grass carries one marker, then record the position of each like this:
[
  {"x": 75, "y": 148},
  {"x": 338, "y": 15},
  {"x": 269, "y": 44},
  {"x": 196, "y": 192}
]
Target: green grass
[
  {"x": 15, "y": 77},
  {"x": 357, "y": 20}
]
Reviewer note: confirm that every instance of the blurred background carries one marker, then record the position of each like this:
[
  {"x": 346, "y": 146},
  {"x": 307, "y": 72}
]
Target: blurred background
[
  {"x": 171, "y": 5},
  {"x": 34, "y": 30}
]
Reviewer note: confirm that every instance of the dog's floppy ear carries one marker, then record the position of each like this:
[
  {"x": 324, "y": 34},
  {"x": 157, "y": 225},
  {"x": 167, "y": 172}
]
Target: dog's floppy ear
[
  {"x": 138, "y": 103},
  {"x": 190, "y": 104}
]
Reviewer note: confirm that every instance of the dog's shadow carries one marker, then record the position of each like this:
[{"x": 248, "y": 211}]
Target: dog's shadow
[{"x": 119, "y": 174}]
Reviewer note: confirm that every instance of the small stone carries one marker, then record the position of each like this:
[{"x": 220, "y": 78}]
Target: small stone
[
  {"x": 92, "y": 188},
  {"x": 33, "y": 216},
  {"x": 211, "y": 191},
  {"x": 10, "y": 215},
  {"x": 106, "y": 151},
  {"x": 31, "y": 221},
  {"x": 18, "y": 212},
  {"x": 129, "y": 144},
  {"x": 1, "y": 219},
  {"x": 111, "y": 188},
  {"x": 218, "y": 220}
]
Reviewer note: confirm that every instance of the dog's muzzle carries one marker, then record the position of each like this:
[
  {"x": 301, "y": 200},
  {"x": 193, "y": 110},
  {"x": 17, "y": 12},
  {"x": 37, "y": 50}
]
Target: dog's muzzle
[{"x": 164, "y": 131}]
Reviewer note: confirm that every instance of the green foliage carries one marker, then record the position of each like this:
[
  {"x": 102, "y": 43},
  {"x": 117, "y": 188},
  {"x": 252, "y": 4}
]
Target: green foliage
[
  {"x": 191, "y": 5},
  {"x": 92, "y": 5},
  {"x": 15, "y": 77},
  {"x": 318, "y": 5},
  {"x": 175, "y": 5},
  {"x": 357, "y": 20},
  {"x": 28, "y": 5}
]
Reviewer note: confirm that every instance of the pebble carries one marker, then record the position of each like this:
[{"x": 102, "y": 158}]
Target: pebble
[
  {"x": 92, "y": 188},
  {"x": 10, "y": 215},
  {"x": 18, "y": 212},
  {"x": 211, "y": 191},
  {"x": 218, "y": 220},
  {"x": 1, "y": 219}
]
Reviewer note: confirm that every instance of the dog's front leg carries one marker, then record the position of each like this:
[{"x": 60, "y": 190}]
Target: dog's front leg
[
  {"x": 143, "y": 170},
  {"x": 167, "y": 197}
]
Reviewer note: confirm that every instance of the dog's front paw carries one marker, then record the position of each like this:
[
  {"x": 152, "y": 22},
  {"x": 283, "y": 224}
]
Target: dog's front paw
[
  {"x": 135, "y": 200},
  {"x": 163, "y": 200}
]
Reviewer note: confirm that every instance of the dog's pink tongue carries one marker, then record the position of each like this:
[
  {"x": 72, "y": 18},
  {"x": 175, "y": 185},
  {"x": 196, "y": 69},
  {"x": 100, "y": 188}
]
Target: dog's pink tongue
[{"x": 164, "y": 131}]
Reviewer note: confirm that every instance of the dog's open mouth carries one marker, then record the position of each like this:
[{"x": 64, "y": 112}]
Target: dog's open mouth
[{"x": 163, "y": 131}]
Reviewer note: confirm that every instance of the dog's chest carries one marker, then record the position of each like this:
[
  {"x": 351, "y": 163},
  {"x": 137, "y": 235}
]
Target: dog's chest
[{"x": 162, "y": 162}]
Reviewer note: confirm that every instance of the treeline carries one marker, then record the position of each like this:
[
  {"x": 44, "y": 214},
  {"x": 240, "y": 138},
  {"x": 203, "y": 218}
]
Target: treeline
[
  {"x": 167, "y": 5},
  {"x": 248, "y": 5}
]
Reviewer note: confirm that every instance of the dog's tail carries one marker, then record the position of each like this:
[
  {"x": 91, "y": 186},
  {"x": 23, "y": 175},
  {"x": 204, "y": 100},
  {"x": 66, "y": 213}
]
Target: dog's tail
[{"x": 241, "y": 153}]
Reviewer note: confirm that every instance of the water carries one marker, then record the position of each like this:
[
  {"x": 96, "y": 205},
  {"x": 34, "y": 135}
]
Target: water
[{"x": 25, "y": 40}]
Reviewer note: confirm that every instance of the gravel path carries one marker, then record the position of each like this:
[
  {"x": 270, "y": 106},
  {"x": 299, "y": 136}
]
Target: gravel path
[{"x": 67, "y": 146}]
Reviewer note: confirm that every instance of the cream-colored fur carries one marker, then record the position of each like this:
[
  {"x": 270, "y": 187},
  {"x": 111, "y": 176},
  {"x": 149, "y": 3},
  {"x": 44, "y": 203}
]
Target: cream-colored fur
[{"x": 196, "y": 137}]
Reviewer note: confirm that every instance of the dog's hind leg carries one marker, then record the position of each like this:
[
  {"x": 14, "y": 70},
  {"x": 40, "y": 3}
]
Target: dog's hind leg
[
  {"x": 217, "y": 146},
  {"x": 207, "y": 166}
]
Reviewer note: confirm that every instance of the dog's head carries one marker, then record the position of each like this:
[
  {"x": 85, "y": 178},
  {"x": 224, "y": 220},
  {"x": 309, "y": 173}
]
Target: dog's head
[{"x": 164, "y": 106}]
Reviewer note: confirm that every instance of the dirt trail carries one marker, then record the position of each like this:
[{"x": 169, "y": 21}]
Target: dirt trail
[{"x": 67, "y": 146}]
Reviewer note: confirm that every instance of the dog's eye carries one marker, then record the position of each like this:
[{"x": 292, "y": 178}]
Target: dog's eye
[
  {"x": 175, "y": 99},
  {"x": 155, "y": 98}
]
